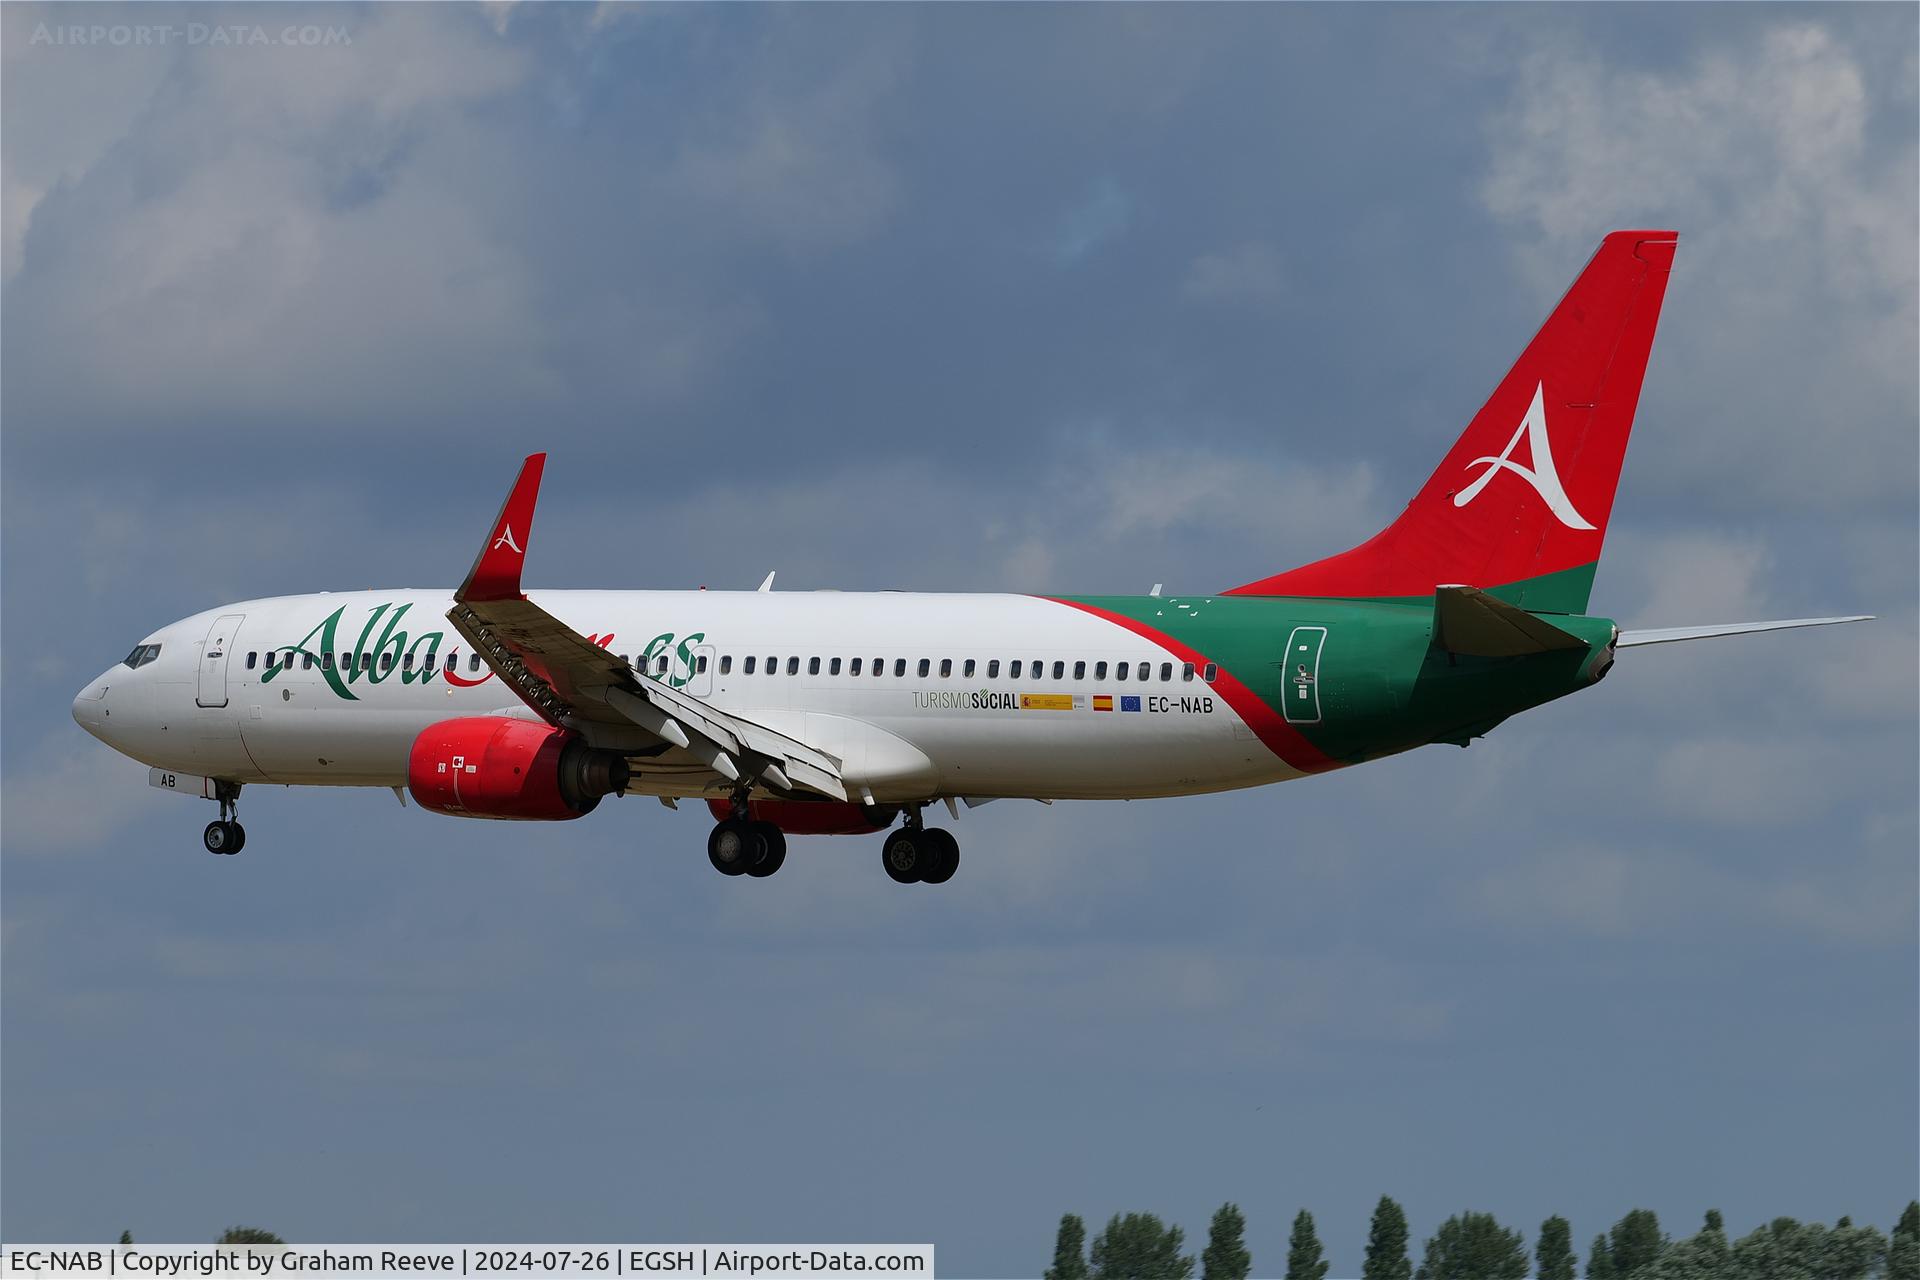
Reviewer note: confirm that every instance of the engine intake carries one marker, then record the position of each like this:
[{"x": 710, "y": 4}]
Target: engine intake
[{"x": 499, "y": 767}]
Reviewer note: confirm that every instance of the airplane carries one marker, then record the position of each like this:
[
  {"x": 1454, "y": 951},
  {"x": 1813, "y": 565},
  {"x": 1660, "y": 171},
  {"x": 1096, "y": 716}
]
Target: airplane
[{"x": 831, "y": 713}]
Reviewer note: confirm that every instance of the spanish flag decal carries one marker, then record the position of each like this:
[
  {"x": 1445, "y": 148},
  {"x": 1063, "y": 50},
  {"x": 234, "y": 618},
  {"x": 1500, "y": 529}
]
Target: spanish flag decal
[{"x": 1103, "y": 702}]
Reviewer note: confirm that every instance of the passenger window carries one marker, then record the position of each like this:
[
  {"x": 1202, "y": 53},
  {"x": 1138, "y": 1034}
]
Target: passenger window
[
  {"x": 773, "y": 666},
  {"x": 1166, "y": 672},
  {"x": 833, "y": 667},
  {"x": 1186, "y": 671},
  {"x": 1013, "y": 669},
  {"x": 250, "y": 660},
  {"x": 406, "y": 663},
  {"x": 747, "y": 666},
  {"x": 899, "y": 667},
  {"x": 1209, "y": 672},
  {"x": 660, "y": 664},
  {"x": 993, "y": 669},
  {"x": 879, "y": 666},
  {"x": 386, "y": 662},
  {"x": 1059, "y": 670},
  {"x": 813, "y": 666},
  {"x": 1099, "y": 671},
  {"x": 967, "y": 670},
  {"x": 700, "y": 664},
  {"x": 290, "y": 654},
  {"x": 1079, "y": 671},
  {"x": 453, "y": 660},
  {"x": 473, "y": 662},
  {"x": 946, "y": 668},
  {"x": 926, "y": 665},
  {"x": 306, "y": 662},
  {"x": 726, "y": 664},
  {"x": 1119, "y": 671},
  {"x": 1146, "y": 669},
  {"x": 853, "y": 668},
  {"x": 793, "y": 666}
]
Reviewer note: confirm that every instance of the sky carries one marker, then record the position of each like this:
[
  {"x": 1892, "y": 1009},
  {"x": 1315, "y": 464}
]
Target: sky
[{"x": 1051, "y": 298}]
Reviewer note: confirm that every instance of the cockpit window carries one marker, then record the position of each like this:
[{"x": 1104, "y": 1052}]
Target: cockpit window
[{"x": 143, "y": 654}]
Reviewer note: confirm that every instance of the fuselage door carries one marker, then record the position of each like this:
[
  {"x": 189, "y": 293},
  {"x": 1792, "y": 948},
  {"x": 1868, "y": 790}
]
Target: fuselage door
[
  {"x": 700, "y": 679},
  {"x": 213, "y": 659},
  {"x": 1301, "y": 675}
]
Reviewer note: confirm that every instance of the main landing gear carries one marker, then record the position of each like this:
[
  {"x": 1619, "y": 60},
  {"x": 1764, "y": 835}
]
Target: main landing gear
[
  {"x": 226, "y": 835},
  {"x": 739, "y": 847},
  {"x": 920, "y": 855}
]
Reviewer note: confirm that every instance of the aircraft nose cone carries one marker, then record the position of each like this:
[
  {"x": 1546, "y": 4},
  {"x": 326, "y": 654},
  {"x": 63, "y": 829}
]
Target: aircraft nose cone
[{"x": 90, "y": 709}]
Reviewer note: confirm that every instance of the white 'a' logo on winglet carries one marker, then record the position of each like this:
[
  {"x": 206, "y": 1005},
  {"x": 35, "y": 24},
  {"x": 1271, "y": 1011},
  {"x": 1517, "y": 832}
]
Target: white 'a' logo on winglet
[
  {"x": 1542, "y": 476},
  {"x": 506, "y": 533}
]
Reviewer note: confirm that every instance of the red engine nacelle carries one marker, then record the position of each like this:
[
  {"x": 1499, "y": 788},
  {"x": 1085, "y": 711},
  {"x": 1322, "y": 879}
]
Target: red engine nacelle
[
  {"x": 497, "y": 767},
  {"x": 811, "y": 817}
]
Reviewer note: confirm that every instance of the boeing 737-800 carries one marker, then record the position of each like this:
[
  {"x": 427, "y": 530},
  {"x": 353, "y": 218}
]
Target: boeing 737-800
[{"x": 819, "y": 713}]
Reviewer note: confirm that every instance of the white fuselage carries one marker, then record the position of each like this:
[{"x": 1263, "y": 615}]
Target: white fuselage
[{"x": 945, "y": 715}]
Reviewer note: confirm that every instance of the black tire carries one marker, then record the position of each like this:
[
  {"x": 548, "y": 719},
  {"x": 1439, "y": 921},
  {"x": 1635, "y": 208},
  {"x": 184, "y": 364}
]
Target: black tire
[
  {"x": 218, "y": 837},
  {"x": 732, "y": 847},
  {"x": 943, "y": 855},
  {"x": 239, "y": 838},
  {"x": 904, "y": 855},
  {"x": 776, "y": 855}
]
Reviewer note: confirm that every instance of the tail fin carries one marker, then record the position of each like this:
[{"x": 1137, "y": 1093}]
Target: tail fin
[{"x": 1520, "y": 505}]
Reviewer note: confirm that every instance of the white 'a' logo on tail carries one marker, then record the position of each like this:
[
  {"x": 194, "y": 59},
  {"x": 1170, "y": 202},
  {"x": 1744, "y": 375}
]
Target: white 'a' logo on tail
[
  {"x": 506, "y": 534},
  {"x": 1542, "y": 476}
]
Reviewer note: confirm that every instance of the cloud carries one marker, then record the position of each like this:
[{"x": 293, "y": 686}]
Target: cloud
[
  {"x": 1101, "y": 217},
  {"x": 1794, "y": 198},
  {"x": 1674, "y": 893},
  {"x": 76, "y": 796},
  {"x": 1251, "y": 272}
]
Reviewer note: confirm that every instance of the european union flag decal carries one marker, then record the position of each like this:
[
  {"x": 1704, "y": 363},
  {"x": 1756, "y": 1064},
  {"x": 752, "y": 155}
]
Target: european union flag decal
[{"x": 1129, "y": 702}]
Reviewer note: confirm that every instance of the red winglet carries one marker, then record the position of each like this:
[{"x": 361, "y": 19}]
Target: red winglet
[{"x": 496, "y": 573}]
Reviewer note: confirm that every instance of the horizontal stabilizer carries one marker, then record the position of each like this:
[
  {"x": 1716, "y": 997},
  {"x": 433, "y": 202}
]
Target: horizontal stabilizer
[
  {"x": 1668, "y": 635},
  {"x": 1466, "y": 620}
]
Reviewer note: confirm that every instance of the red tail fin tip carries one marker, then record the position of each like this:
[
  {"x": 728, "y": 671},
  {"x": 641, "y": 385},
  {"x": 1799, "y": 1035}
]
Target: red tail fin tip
[{"x": 1521, "y": 500}]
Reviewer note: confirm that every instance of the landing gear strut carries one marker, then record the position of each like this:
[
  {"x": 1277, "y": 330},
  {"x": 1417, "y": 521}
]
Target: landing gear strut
[
  {"x": 227, "y": 835},
  {"x": 917, "y": 854},
  {"x": 740, "y": 846}
]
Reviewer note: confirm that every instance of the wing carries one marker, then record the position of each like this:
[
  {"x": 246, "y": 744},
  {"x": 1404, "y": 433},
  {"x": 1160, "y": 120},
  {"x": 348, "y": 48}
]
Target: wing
[
  {"x": 1668, "y": 635},
  {"x": 575, "y": 684}
]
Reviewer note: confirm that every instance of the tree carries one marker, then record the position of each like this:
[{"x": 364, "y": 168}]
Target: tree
[
  {"x": 1069, "y": 1250},
  {"x": 1226, "y": 1256},
  {"x": 1387, "y": 1244},
  {"x": 1703, "y": 1256},
  {"x": 1472, "y": 1246},
  {"x": 1553, "y": 1256},
  {"x": 248, "y": 1235},
  {"x": 1789, "y": 1250},
  {"x": 1600, "y": 1260},
  {"x": 1903, "y": 1251},
  {"x": 126, "y": 1237},
  {"x": 1305, "y": 1259},
  {"x": 1636, "y": 1241},
  {"x": 1138, "y": 1246}
]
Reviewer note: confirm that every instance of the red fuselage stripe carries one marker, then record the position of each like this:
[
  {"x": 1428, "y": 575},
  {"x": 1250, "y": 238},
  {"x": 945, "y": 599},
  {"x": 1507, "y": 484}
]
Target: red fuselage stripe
[{"x": 1280, "y": 737}]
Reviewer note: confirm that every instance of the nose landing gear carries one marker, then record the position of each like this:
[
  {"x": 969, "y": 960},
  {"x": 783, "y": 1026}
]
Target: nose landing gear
[{"x": 226, "y": 836}]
